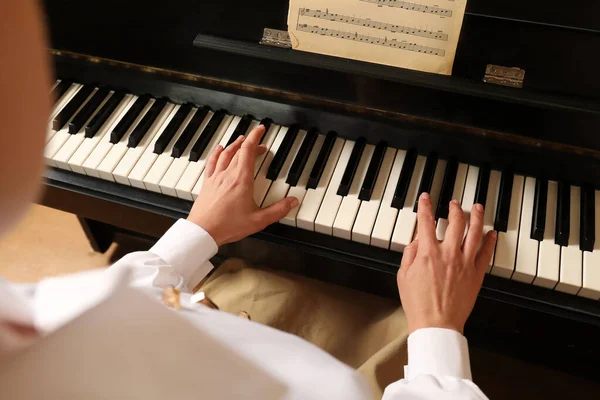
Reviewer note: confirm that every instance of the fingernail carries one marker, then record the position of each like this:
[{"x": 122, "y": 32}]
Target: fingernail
[
  {"x": 479, "y": 207},
  {"x": 455, "y": 202},
  {"x": 294, "y": 202},
  {"x": 241, "y": 138},
  {"x": 424, "y": 196}
]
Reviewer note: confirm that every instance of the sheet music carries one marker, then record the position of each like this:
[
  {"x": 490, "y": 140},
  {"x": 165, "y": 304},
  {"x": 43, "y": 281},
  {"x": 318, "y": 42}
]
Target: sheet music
[{"x": 419, "y": 34}]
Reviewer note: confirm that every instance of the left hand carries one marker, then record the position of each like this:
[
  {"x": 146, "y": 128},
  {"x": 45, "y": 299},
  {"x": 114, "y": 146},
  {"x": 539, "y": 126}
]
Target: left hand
[{"x": 225, "y": 207}]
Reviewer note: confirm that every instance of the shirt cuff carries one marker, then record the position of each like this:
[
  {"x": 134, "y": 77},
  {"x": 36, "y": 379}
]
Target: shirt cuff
[
  {"x": 187, "y": 248},
  {"x": 438, "y": 352}
]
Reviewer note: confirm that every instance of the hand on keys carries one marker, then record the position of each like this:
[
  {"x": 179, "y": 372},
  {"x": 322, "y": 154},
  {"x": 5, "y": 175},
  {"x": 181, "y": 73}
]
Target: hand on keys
[
  {"x": 439, "y": 280},
  {"x": 225, "y": 207}
]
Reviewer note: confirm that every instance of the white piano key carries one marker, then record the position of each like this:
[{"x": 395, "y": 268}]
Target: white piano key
[
  {"x": 549, "y": 253},
  {"x": 62, "y": 157},
  {"x": 506, "y": 244},
  {"x": 223, "y": 142},
  {"x": 101, "y": 151},
  {"x": 571, "y": 256},
  {"x": 146, "y": 160},
  {"x": 407, "y": 218},
  {"x": 267, "y": 140},
  {"x": 386, "y": 218},
  {"x": 261, "y": 183},
  {"x": 367, "y": 214},
  {"x": 299, "y": 191},
  {"x": 77, "y": 161},
  {"x": 60, "y": 104},
  {"x": 118, "y": 150},
  {"x": 160, "y": 167},
  {"x": 491, "y": 203},
  {"x": 309, "y": 208},
  {"x": 457, "y": 194},
  {"x": 331, "y": 201},
  {"x": 279, "y": 187},
  {"x": 179, "y": 165},
  {"x": 468, "y": 200},
  {"x": 591, "y": 261},
  {"x": 527, "y": 248},
  {"x": 133, "y": 154},
  {"x": 61, "y": 137},
  {"x": 344, "y": 221}
]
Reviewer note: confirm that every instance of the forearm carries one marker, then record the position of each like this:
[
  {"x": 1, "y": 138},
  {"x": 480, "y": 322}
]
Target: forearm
[
  {"x": 438, "y": 368},
  {"x": 180, "y": 259}
]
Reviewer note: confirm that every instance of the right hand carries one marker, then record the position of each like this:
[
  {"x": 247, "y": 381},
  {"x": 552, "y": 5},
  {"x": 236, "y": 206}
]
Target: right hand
[{"x": 439, "y": 281}]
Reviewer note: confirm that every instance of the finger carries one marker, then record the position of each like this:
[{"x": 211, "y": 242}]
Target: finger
[
  {"x": 248, "y": 153},
  {"x": 260, "y": 150},
  {"x": 456, "y": 225},
  {"x": 473, "y": 239},
  {"x": 254, "y": 136},
  {"x": 426, "y": 221},
  {"x": 211, "y": 163},
  {"x": 276, "y": 212},
  {"x": 410, "y": 253},
  {"x": 228, "y": 153},
  {"x": 484, "y": 257}
]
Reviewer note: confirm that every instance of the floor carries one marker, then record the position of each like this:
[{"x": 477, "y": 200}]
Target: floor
[{"x": 50, "y": 242}]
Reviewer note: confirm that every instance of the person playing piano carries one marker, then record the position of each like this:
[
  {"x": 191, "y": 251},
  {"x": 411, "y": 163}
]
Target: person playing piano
[{"x": 103, "y": 334}]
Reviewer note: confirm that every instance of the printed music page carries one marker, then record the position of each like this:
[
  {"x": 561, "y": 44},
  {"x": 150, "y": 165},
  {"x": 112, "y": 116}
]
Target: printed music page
[{"x": 417, "y": 34}]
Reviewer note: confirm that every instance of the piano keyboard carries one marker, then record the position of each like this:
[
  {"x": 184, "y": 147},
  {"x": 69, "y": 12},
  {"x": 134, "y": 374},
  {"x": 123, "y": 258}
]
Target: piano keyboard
[{"x": 349, "y": 189}]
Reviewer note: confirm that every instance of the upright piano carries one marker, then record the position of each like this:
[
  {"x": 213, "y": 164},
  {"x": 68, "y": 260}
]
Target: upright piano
[{"x": 145, "y": 90}]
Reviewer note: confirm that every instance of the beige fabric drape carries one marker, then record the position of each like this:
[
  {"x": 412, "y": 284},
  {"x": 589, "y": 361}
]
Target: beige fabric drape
[{"x": 364, "y": 331}]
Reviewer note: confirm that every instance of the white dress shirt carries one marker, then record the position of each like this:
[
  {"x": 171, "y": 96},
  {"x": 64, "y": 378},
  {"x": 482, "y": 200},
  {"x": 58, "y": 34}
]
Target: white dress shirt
[{"x": 266, "y": 363}]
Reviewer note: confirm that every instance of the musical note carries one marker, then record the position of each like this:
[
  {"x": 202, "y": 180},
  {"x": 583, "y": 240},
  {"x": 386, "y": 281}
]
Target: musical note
[
  {"x": 355, "y": 36},
  {"x": 326, "y": 15},
  {"x": 405, "y": 5}
]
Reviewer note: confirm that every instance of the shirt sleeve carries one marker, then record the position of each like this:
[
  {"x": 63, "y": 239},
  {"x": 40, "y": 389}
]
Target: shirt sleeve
[
  {"x": 438, "y": 368},
  {"x": 180, "y": 259}
]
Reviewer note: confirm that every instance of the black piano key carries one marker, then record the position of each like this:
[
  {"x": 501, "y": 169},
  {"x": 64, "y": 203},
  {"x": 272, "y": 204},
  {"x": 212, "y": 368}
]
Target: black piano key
[
  {"x": 540, "y": 200},
  {"x": 171, "y": 129},
  {"x": 266, "y": 122},
  {"x": 86, "y": 112},
  {"x": 204, "y": 138},
  {"x": 504, "y": 197},
  {"x": 404, "y": 179},
  {"x": 282, "y": 152},
  {"x": 102, "y": 116},
  {"x": 587, "y": 219},
  {"x": 240, "y": 129},
  {"x": 443, "y": 207},
  {"x": 128, "y": 119},
  {"x": 366, "y": 191},
  {"x": 351, "y": 167},
  {"x": 427, "y": 178},
  {"x": 483, "y": 181},
  {"x": 60, "y": 89},
  {"x": 321, "y": 162},
  {"x": 142, "y": 128},
  {"x": 302, "y": 157},
  {"x": 563, "y": 213},
  {"x": 71, "y": 108}
]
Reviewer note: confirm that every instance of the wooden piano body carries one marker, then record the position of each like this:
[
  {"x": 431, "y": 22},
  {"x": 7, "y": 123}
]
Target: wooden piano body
[{"x": 208, "y": 53}]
